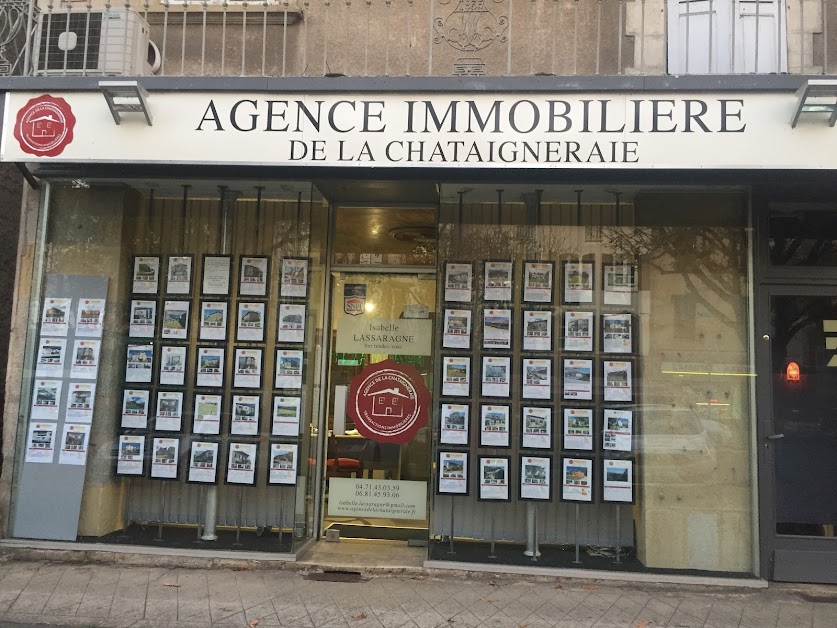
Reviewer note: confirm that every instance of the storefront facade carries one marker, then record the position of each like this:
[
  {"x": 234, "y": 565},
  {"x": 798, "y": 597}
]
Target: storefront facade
[{"x": 583, "y": 327}]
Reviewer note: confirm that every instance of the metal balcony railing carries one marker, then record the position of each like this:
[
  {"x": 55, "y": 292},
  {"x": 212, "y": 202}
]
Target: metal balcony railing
[{"x": 416, "y": 37}]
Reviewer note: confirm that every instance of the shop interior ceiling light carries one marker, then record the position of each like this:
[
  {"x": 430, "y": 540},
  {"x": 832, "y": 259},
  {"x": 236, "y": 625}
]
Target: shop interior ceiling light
[{"x": 816, "y": 96}]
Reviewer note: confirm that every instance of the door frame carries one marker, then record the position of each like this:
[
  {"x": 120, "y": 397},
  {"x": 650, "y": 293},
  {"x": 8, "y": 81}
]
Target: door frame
[
  {"x": 322, "y": 419},
  {"x": 776, "y": 280},
  {"x": 799, "y": 558}
]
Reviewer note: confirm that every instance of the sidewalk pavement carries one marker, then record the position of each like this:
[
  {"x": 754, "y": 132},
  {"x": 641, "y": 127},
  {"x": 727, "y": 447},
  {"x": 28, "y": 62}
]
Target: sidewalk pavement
[{"x": 117, "y": 596}]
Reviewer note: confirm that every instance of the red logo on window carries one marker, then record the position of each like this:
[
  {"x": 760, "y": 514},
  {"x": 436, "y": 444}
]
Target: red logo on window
[
  {"x": 388, "y": 402},
  {"x": 44, "y": 126}
]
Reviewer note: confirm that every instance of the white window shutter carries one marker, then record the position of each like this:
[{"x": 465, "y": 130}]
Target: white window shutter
[{"x": 760, "y": 37}]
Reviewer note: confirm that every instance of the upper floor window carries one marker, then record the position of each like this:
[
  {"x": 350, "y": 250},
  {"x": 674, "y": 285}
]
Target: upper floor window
[{"x": 727, "y": 36}]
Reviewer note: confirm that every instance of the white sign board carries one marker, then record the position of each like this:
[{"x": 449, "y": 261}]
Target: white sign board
[
  {"x": 477, "y": 130},
  {"x": 390, "y": 499},
  {"x": 401, "y": 336}
]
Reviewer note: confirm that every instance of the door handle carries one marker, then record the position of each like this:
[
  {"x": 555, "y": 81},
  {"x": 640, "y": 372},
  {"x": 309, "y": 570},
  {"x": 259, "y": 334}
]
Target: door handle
[{"x": 775, "y": 436}]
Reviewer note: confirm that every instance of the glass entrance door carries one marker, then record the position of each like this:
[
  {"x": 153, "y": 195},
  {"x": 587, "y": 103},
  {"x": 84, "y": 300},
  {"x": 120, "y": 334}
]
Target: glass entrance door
[
  {"x": 800, "y": 433},
  {"x": 377, "y": 484}
]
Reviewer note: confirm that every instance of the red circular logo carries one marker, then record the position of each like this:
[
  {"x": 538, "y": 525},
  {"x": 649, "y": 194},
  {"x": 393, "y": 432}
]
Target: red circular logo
[
  {"x": 388, "y": 402},
  {"x": 44, "y": 126}
]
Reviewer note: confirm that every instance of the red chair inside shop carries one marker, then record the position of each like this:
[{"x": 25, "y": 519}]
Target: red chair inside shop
[{"x": 344, "y": 468}]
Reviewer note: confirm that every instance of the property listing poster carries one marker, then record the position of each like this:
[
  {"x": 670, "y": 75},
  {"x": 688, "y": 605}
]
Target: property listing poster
[
  {"x": 537, "y": 330},
  {"x": 40, "y": 442},
  {"x": 90, "y": 318},
  {"x": 454, "y": 424},
  {"x": 535, "y": 477},
  {"x": 537, "y": 378},
  {"x": 498, "y": 281},
  {"x": 618, "y": 381},
  {"x": 55, "y": 320},
  {"x": 578, "y": 428},
  {"x": 203, "y": 462},
  {"x": 537, "y": 427},
  {"x": 80, "y": 400},
  {"x": 494, "y": 478},
  {"x": 577, "y": 479},
  {"x": 457, "y": 329},
  {"x": 617, "y": 430},
  {"x": 618, "y": 481},
  {"x": 46, "y": 398},
  {"x": 283, "y": 461},
  {"x": 74, "y": 444},
  {"x": 459, "y": 281},
  {"x": 453, "y": 472},
  {"x": 456, "y": 376},
  {"x": 286, "y": 415},
  {"x": 578, "y": 379}
]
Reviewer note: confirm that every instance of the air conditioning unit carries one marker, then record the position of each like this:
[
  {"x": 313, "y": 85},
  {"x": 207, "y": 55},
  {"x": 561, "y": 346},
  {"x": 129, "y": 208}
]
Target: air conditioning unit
[{"x": 96, "y": 43}]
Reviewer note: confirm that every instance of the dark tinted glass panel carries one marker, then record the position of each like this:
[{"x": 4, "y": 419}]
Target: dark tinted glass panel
[
  {"x": 803, "y": 238},
  {"x": 804, "y": 364}
]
